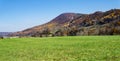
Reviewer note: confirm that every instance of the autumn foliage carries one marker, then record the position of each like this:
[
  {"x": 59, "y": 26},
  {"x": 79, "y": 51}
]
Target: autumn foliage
[{"x": 72, "y": 24}]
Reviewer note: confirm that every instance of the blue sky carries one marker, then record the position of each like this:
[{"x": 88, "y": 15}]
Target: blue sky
[{"x": 17, "y": 15}]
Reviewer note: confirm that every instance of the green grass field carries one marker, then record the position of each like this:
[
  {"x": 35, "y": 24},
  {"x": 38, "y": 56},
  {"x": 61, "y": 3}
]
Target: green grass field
[{"x": 76, "y": 48}]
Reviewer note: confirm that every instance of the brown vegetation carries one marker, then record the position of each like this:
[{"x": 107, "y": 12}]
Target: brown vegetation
[{"x": 72, "y": 24}]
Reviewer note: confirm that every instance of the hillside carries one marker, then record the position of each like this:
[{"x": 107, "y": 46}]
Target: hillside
[{"x": 72, "y": 24}]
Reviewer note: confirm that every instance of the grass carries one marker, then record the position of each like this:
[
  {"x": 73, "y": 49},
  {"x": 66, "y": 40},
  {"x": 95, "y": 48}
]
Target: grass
[{"x": 76, "y": 48}]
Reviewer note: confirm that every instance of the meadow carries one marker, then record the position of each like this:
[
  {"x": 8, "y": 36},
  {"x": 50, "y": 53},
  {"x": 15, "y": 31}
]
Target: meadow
[{"x": 71, "y": 48}]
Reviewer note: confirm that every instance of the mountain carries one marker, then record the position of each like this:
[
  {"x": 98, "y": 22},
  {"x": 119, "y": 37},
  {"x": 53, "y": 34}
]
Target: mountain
[
  {"x": 5, "y": 33},
  {"x": 71, "y": 24}
]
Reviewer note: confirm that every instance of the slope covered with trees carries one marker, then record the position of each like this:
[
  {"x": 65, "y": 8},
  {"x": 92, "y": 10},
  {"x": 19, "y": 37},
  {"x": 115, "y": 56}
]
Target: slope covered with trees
[{"x": 72, "y": 24}]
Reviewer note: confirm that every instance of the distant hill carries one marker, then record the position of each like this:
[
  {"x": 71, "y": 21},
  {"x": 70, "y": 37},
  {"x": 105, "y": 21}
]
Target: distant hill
[
  {"x": 5, "y": 33},
  {"x": 72, "y": 24}
]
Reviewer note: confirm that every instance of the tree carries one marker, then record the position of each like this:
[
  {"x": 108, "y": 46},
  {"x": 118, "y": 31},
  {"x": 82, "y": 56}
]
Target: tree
[
  {"x": 59, "y": 32},
  {"x": 46, "y": 32}
]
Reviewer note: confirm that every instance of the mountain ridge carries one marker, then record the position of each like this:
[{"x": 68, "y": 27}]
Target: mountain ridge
[
  {"x": 70, "y": 24},
  {"x": 5, "y": 33}
]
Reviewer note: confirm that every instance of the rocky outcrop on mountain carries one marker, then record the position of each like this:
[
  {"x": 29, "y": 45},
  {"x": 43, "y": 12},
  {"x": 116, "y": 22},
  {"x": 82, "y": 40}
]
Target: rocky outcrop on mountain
[{"x": 72, "y": 24}]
